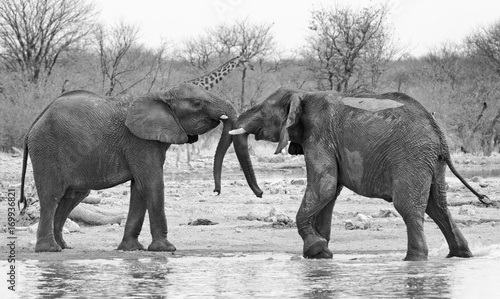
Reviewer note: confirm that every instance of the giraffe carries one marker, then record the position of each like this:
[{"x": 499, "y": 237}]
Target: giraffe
[
  {"x": 208, "y": 81},
  {"x": 211, "y": 78}
]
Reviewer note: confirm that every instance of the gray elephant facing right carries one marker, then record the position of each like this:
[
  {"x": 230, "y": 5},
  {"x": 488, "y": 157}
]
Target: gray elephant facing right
[{"x": 386, "y": 146}]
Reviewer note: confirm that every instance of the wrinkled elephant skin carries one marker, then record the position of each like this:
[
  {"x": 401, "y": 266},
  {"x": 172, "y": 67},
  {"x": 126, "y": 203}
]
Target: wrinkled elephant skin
[
  {"x": 84, "y": 142},
  {"x": 386, "y": 146}
]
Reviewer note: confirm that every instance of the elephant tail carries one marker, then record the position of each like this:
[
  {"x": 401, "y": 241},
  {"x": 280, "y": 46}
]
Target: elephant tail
[
  {"x": 22, "y": 199},
  {"x": 483, "y": 198}
]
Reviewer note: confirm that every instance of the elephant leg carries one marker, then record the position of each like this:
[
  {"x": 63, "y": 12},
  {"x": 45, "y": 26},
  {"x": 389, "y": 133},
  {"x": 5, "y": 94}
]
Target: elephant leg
[
  {"x": 149, "y": 184},
  {"x": 323, "y": 221},
  {"x": 410, "y": 197},
  {"x": 135, "y": 219},
  {"x": 315, "y": 212},
  {"x": 158, "y": 221},
  {"x": 69, "y": 201},
  {"x": 437, "y": 209},
  {"x": 49, "y": 200}
]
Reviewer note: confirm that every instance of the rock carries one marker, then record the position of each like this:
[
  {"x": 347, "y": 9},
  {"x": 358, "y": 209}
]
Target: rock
[
  {"x": 279, "y": 219},
  {"x": 92, "y": 215},
  {"x": 251, "y": 217},
  {"x": 349, "y": 225},
  {"x": 92, "y": 199},
  {"x": 201, "y": 221},
  {"x": 274, "y": 190},
  {"x": 362, "y": 218},
  {"x": 65, "y": 231},
  {"x": 360, "y": 222},
  {"x": 278, "y": 183},
  {"x": 284, "y": 221},
  {"x": 299, "y": 182},
  {"x": 476, "y": 179},
  {"x": 467, "y": 210},
  {"x": 275, "y": 212},
  {"x": 483, "y": 185},
  {"x": 71, "y": 226},
  {"x": 271, "y": 219},
  {"x": 238, "y": 230}
]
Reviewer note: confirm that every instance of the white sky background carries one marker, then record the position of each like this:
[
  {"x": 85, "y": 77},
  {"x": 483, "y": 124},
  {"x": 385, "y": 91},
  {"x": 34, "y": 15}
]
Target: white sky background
[{"x": 421, "y": 25}]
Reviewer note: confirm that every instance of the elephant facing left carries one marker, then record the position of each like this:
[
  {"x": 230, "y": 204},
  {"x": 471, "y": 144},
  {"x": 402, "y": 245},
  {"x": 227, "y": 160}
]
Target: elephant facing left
[{"x": 84, "y": 142}]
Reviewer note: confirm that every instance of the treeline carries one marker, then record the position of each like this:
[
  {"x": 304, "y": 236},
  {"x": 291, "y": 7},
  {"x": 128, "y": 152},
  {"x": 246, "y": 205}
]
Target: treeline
[{"x": 48, "y": 47}]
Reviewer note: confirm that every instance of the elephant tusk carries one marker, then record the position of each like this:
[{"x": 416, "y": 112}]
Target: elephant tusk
[
  {"x": 223, "y": 116},
  {"x": 237, "y": 131}
]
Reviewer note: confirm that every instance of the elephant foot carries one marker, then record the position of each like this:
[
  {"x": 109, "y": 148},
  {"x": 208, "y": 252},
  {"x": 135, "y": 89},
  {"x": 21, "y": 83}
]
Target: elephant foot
[
  {"x": 161, "y": 245},
  {"x": 64, "y": 245},
  {"x": 415, "y": 257},
  {"x": 316, "y": 247},
  {"x": 47, "y": 246},
  {"x": 130, "y": 245},
  {"x": 465, "y": 253}
]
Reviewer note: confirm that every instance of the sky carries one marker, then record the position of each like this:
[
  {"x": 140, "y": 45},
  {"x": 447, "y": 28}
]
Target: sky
[{"x": 419, "y": 25}]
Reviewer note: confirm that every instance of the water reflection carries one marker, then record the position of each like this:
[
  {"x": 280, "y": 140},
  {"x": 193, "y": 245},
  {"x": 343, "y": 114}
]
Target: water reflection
[{"x": 262, "y": 275}]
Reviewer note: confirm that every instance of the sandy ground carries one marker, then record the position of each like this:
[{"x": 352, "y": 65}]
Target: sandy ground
[{"x": 188, "y": 196}]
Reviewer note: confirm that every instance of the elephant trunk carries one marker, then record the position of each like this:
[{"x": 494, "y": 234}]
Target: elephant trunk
[
  {"x": 224, "y": 143},
  {"x": 241, "y": 149}
]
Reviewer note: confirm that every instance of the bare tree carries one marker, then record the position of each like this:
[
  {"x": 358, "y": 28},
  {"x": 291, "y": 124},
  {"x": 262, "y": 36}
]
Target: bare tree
[
  {"x": 34, "y": 33},
  {"x": 198, "y": 51},
  {"x": 124, "y": 63},
  {"x": 250, "y": 40},
  {"x": 346, "y": 44},
  {"x": 486, "y": 44},
  {"x": 447, "y": 63}
]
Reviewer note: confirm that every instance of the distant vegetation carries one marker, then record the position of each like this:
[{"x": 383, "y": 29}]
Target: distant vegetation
[{"x": 48, "y": 47}]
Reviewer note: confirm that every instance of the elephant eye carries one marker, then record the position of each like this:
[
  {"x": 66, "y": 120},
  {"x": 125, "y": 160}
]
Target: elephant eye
[{"x": 198, "y": 104}]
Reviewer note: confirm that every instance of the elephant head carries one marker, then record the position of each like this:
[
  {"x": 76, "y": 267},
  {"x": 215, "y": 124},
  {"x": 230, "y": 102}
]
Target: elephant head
[
  {"x": 180, "y": 114},
  {"x": 275, "y": 120}
]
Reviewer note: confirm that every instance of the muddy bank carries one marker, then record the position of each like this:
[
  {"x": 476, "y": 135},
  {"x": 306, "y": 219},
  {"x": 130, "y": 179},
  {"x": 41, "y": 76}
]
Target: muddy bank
[{"x": 245, "y": 223}]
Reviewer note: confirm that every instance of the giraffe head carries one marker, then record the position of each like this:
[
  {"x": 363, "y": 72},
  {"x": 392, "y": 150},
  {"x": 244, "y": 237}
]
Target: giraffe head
[{"x": 242, "y": 61}]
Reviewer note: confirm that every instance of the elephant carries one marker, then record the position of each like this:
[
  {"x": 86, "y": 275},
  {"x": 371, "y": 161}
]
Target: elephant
[
  {"x": 84, "y": 142},
  {"x": 377, "y": 145}
]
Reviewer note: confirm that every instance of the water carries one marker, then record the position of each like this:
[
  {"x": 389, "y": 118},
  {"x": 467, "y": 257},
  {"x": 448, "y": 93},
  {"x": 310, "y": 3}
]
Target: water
[{"x": 264, "y": 275}]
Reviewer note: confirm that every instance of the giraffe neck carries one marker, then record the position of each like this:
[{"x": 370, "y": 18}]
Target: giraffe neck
[{"x": 208, "y": 80}]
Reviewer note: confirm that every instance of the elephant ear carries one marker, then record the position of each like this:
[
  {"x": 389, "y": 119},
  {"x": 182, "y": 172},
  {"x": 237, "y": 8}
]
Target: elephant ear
[
  {"x": 152, "y": 119},
  {"x": 291, "y": 128}
]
